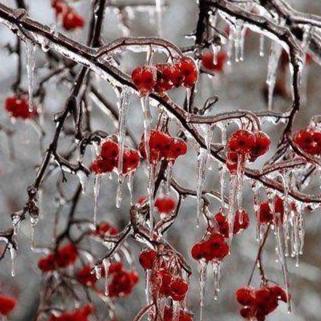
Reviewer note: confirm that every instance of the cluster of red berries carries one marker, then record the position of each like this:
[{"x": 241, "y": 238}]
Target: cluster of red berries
[
  {"x": 220, "y": 223},
  {"x": 165, "y": 204},
  {"x": 163, "y": 77},
  {"x": 71, "y": 20},
  {"x": 64, "y": 257},
  {"x": 309, "y": 141},
  {"x": 164, "y": 283},
  {"x": 7, "y": 304},
  {"x": 258, "y": 303},
  {"x": 107, "y": 160},
  {"x": 212, "y": 248},
  {"x": 163, "y": 147},
  {"x": 208, "y": 62},
  {"x": 121, "y": 282},
  {"x": 80, "y": 314},
  {"x": 247, "y": 145},
  {"x": 86, "y": 277},
  {"x": 18, "y": 107},
  {"x": 265, "y": 215}
]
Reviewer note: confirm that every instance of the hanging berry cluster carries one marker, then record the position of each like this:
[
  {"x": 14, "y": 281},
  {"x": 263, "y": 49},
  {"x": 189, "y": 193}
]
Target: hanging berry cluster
[
  {"x": 18, "y": 107},
  {"x": 258, "y": 303},
  {"x": 71, "y": 20},
  {"x": 244, "y": 145},
  {"x": 309, "y": 140},
  {"x": 213, "y": 62},
  {"x": 163, "y": 77},
  {"x": 107, "y": 160}
]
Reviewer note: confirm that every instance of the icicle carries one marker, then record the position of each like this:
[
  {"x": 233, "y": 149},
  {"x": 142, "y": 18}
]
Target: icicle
[
  {"x": 82, "y": 180},
  {"x": 169, "y": 173},
  {"x": 130, "y": 183},
  {"x": 201, "y": 163},
  {"x": 275, "y": 54},
  {"x": 147, "y": 125},
  {"x": 106, "y": 264},
  {"x": 158, "y": 4},
  {"x": 239, "y": 41},
  {"x": 203, "y": 274},
  {"x": 262, "y": 38},
  {"x": 123, "y": 109},
  {"x": 97, "y": 185},
  {"x": 16, "y": 219},
  {"x": 13, "y": 259},
  {"x": 31, "y": 62},
  {"x": 97, "y": 270},
  {"x": 34, "y": 221},
  {"x": 147, "y": 286},
  {"x": 176, "y": 310},
  {"x": 223, "y": 171},
  {"x": 216, "y": 275},
  {"x": 230, "y": 45}
]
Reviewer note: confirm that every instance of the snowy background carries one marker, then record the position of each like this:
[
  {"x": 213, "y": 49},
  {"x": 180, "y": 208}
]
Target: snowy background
[{"x": 239, "y": 87}]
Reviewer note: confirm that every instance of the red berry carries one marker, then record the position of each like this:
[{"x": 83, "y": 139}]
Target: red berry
[
  {"x": 309, "y": 141},
  {"x": 245, "y": 296},
  {"x": 18, "y": 107},
  {"x": 178, "y": 289},
  {"x": 166, "y": 280},
  {"x": 261, "y": 145},
  {"x": 66, "y": 255},
  {"x": 278, "y": 209},
  {"x": 160, "y": 142},
  {"x": 131, "y": 160},
  {"x": 7, "y": 304},
  {"x": 279, "y": 293},
  {"x": 86, "y": 277},
  {"x": 144, "y": 79},
  {"x": 241, "y": 221},
  {"x": 216, "y": 248},
  {"x": 71, "y": 21},
  {"x": 100, "y": 166},
  {"x": 165, "y": 204},
  {"x": 208, "y": 60},
  {"x": 264, "y": 214},
  {"x": 105, "y": 229},
  {"x": 47, "y": 263},
  {"x": 221, "y": 224},
  {"x": 241, "y": 141},
  {"x": 115, "y": 267},
  {"x": 164, "y": 78},
  {"x": 188, "y": 70},
  {"x": 147, "y": 259},
  {"x": 177, "y": 148},
  {"x": 197, "y": 251},
  {"x": 109, "y": 149}
]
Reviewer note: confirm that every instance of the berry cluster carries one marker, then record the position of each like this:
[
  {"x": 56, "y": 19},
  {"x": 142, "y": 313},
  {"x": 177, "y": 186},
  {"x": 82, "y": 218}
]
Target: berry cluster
[
  {"x": 121, "y": 281},
  {"x": 247, "y": 146},
  {"x": 220, "y": 223},
  {"x": 217, "y": 64},
  {"x": 265, "y": 215},
  {"x": 258, "y": 303},
  {"x": 212, "y": 248},
  {"x": 71, "y": 20},
  {"x": 107, "y": 160},
  {"x": 165, "y": 283},
  {"x": 309, "y": 141},
  {"x": 7, "y": 304},
  {"x": 80, "y": 314},
  {"x": 163, "y": 77},
  {"x": 163, "y": 147},
  {"x": 18, "y": 107},
  {"x": 62, "y": 258}
]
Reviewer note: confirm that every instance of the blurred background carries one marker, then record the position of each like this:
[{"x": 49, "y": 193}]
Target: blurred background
[{"x": 240, "y": 86}]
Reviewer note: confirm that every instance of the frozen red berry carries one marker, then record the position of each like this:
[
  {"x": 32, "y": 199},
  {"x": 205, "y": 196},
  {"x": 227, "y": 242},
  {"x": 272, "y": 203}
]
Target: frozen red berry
[
  {"x": 66, "y": 255},
  {"x": 18, "y": 107},
  {"x": 7, "y": 304},
  {"x": 86, "y": 277},
  {"x": 188, "y": 70},
  {"x": 109, "y": 149},
  {"x": 309, "y": 141},
  {"x": 72, "y": 20},
  {"x": 164, "y": 78},
  {"x": 147, "y": 259},
  {"x": 241, "y": 221},
  {"x": 241, "y": 141},
  {"x": 165, "y": 204},
  {"x": 131, "y": 160},
  {"x": 261, "y": 145},
  {"x": 178, "y": 289},
  {"x": 144, "y": 78}
]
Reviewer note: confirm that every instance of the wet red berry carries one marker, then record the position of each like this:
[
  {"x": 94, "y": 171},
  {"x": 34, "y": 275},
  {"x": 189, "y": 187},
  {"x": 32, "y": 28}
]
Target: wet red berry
[
  {"x": 71, "y": 20},
  {"x": 144, "y": 79},
  {"x": 147, "y": 259},
  {"x": 241, "y": 141},
  {"x": 245, "y": 296},
  {"x": 261, "y": 145},
  {"x": 164, "y": 78},
  {"x": 18, "y": 107},
  {"x": 7, "y": 304},
  {"x": 109, "y": 149},
  {"x": 66, "y": 255},
  {"x": 188, "y": 70},
  {"x": 178, "y": 289},
  {"x": 131, "y": 160},
  {"x": 241, "y": 221},
  {"x": 85, "y": 276},
  {"x": 165, "y": 204},
  {"x": 309, "y": 141}
]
